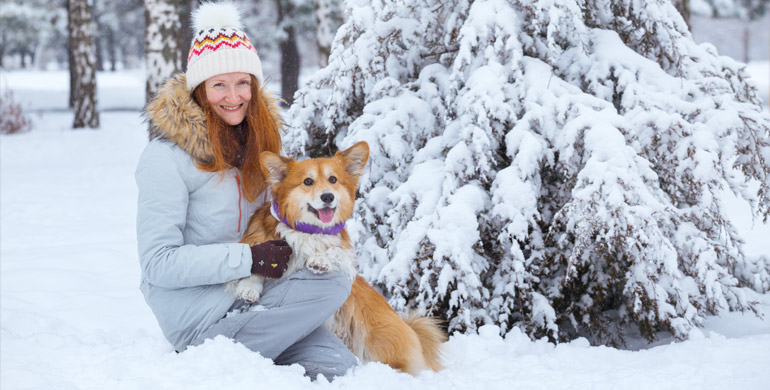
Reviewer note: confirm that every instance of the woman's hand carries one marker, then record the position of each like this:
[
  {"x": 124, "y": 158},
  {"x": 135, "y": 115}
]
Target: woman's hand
[{"x": 270, "y": 258}]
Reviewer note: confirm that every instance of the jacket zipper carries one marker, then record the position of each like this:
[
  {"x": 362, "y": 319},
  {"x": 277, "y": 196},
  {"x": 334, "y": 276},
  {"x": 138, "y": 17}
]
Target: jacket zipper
[{"x": 240, "y": 213}]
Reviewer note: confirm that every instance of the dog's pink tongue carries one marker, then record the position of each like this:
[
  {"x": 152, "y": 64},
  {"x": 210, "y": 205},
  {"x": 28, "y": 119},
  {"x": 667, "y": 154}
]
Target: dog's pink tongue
[{"x": 326, "y": 214}]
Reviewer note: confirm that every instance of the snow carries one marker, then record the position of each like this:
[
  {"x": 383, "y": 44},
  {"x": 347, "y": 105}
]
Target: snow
[
  {"x": 72, "y": 316},
  {"x": 49, "y": 90}
]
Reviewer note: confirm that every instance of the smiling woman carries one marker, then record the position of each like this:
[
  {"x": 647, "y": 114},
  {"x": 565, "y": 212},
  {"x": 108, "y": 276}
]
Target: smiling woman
[{"x": 199, "y": 180}]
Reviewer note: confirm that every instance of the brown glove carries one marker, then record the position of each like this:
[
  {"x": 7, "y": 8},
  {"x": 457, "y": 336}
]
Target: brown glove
[{"x": 270, "y": 258}]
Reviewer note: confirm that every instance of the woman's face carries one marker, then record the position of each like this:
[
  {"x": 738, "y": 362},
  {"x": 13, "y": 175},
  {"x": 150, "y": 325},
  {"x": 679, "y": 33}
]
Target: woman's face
[{"x": 228, "y": 95}]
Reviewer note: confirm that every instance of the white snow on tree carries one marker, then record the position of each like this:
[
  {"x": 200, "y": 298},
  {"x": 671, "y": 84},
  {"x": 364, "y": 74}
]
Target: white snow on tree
[
  {"x": 551, "y": 165},
  {"x": 82, "y": 44},
  {"x": 163, "y": 59}
]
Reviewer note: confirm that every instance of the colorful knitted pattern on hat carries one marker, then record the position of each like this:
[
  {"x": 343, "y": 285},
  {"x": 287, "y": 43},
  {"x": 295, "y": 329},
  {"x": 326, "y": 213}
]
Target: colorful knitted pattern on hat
[
  {"x": 213, "y": 40},
  {"x": 220, "y": 45}
]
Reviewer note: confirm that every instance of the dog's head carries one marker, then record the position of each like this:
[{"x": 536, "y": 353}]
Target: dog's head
[{"x": 319, "y": 191}]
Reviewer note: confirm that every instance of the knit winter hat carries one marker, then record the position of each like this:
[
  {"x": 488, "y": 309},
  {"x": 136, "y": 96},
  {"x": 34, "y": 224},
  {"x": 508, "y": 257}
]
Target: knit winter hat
[{"x": 220, "y": 45}]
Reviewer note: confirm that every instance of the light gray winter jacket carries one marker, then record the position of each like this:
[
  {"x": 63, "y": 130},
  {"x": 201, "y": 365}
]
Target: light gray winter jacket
[{"x": 188, "y": 222}]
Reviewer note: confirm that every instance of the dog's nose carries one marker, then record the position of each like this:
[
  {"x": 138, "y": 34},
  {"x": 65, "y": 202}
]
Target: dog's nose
[{"x": 327, "y": 197}]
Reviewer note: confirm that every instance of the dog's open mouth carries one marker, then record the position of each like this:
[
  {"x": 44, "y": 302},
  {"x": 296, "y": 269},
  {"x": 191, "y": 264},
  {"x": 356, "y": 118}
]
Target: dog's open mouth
[{"x": 325, "y": 214}]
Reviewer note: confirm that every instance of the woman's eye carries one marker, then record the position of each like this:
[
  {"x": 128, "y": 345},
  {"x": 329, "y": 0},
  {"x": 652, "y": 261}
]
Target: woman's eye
[
  {"x": 308, "y": 182},
  {"x": 332, "y": 179}
]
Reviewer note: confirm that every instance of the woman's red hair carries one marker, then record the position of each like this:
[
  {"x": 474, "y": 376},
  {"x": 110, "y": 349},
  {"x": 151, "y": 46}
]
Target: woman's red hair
[{"x": 260, "y": 132}]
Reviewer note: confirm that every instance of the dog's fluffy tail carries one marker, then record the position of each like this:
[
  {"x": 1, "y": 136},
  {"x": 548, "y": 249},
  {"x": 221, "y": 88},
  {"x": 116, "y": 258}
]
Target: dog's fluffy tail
[{"x": 431, "y": 336}]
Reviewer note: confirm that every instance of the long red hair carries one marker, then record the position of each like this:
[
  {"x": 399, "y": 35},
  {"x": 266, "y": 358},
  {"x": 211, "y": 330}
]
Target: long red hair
[{"x": 260, "y": 132}]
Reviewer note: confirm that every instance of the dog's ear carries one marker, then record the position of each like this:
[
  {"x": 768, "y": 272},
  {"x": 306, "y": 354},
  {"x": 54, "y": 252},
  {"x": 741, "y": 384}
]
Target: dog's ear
[
  {"x": 274, "y": 167},
  {"x": 355, "y": 158}
]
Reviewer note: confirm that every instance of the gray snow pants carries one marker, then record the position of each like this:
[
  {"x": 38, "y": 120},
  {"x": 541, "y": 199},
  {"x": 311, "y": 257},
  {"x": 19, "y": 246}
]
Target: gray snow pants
[{"x": 290, "y": 327}]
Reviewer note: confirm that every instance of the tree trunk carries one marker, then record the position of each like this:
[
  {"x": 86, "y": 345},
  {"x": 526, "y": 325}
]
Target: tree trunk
[
  {"x": 289, "y": 53},
  {"x": 70, "y": 61},
  {"x": 98, "y": 37},
  {"x": 99, "y": 53},
  {"x": 162, "y": 29},
  {"x": 289, "y": 66},
  {"x": 83, "y": 57},
  {"x": 746, "y": 39},
  {"x": 111, "y": 50},
  {"x": 186, "y": 34},
  {"x": 2, "y": 46}
]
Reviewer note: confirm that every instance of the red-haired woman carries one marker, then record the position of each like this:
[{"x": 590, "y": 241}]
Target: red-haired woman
[{"x": 199, "y": 181}]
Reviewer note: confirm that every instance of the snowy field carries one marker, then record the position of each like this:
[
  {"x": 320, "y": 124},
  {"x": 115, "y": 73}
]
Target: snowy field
[{"x": 72, "y": 316}]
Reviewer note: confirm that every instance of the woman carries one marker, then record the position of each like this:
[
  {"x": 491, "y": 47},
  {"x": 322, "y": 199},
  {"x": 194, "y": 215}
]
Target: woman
[{"x": 199, "y": 181}]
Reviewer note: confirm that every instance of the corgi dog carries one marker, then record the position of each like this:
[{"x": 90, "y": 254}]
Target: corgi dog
[{"x": 312, "y": 199}]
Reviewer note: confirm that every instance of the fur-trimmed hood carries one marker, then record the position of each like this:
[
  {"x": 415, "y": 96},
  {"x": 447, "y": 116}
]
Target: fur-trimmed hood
[{"x": 173, "y": 115}]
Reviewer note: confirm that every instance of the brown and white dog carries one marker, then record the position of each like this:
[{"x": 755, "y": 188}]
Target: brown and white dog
[{"x": 312, "y": 199}]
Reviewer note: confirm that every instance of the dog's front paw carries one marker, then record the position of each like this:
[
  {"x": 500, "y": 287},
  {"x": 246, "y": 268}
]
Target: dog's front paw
[
  {"x": 319, "y": 269},
  {"x": 319, "y": 265},
  {"x": 248, "y": 289}
]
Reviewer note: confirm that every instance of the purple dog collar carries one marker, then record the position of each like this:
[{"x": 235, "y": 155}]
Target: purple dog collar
[{"x": 306, "y": 227}]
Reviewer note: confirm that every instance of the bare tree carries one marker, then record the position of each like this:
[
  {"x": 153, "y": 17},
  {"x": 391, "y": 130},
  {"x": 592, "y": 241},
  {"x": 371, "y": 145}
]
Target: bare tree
[
  {"x": 186, "y": 9},
  {"x": 70, "y": 62},
  {"x": 290, "y": 61},
  {"x": 163, "y": 28},
  {"x": 83, "y": 60}
]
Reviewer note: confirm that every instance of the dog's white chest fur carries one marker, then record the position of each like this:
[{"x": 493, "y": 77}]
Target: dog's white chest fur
[{"x": 318, "y": 252}]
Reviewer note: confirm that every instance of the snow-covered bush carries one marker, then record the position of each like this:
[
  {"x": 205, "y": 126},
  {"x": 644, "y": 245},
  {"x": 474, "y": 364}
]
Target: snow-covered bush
[{"x": 552, "y": 165}]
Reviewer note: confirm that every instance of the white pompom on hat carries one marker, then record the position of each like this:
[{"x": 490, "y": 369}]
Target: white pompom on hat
[{"x": 220, "y": 45}]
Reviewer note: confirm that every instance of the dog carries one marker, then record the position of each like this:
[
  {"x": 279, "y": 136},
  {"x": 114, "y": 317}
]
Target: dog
[{"x": 312, "y": 199}]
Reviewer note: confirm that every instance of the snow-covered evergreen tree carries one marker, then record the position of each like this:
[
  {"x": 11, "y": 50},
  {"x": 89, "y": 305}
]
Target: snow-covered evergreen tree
[{"x": 553, "y": 165}]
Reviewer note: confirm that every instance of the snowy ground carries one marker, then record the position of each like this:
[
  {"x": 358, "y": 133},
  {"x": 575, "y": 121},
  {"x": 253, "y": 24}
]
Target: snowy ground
[{"x": 72, "y": 316}]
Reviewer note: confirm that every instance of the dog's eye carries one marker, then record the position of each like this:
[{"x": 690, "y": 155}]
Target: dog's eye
[
  {"x": 332, "y": 179},
  {"x": 308, "y": 182}
]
